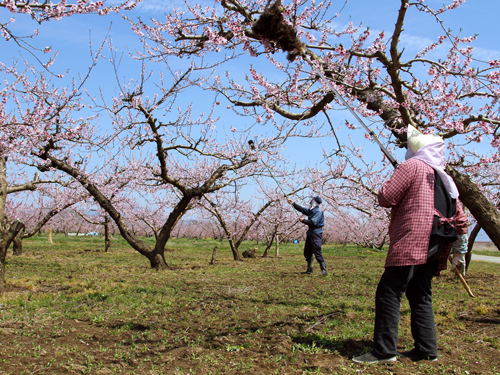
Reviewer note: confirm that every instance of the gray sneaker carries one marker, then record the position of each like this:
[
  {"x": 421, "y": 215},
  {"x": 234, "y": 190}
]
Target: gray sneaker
[
  {"x": 371, "y": 358},
  {"x": 416, "y": 356}
]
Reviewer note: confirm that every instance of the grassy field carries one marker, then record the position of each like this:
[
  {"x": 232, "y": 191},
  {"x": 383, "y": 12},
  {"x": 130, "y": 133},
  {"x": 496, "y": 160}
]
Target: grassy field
[{"x": 70, "y": 308}]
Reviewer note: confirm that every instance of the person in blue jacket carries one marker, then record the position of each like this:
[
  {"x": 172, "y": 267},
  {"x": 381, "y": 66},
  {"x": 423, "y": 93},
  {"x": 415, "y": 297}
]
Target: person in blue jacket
[{"x": 314, "y": 236}]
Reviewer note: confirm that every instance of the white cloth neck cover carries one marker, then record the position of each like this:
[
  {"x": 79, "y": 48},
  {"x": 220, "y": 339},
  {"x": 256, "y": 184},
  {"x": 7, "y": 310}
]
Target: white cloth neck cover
[{"x": 430, "y": 149}]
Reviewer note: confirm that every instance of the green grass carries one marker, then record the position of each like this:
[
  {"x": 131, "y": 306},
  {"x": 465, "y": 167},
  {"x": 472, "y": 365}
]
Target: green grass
[
  {"x": 71, "y": 308},
  {"x": 487, "y": 253}
]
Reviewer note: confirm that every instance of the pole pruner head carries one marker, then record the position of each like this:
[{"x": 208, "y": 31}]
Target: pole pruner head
[{"x": 251, "y": 144}]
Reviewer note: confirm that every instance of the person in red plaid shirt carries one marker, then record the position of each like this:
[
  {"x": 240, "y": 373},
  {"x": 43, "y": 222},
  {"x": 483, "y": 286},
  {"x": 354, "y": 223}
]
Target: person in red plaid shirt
[{"x": 416, "y": 251}]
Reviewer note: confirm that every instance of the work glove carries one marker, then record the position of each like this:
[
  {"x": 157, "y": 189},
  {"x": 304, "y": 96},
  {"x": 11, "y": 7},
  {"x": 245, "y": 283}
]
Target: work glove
[{"x": 458, "y": 262}]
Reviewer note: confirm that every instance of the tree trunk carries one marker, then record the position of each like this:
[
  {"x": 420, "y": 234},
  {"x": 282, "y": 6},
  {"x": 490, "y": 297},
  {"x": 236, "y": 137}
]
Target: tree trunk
[
  {"x": 17, "y": 244},
  {"x": 107, "y": 239},
  {"x": 470, "y": 245},
  {"x": 234, "y": 246},
  {"x": 157, "y": 258},
  {"x": 3, "y": 224},
  {"x": 3, "y": 256},
  {"x": 234, "y": 250},
  {"x": 252, "y": 222},
  {"x": 156, "y": 255},
  {"x": 277, "y": 245},
  {"x": 484, "y": 211},
  {"x": 7, "y": 235},
  {"x": 268, "y": 246},
  {"x": 3, "y": 190},
  {"x": 2, "y": 274}
]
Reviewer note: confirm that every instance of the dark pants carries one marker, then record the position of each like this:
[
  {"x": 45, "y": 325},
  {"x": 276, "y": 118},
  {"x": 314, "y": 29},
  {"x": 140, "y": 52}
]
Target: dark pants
[
  {"x": 416, "y": 282},
  {"x": 313, "y": 246}
]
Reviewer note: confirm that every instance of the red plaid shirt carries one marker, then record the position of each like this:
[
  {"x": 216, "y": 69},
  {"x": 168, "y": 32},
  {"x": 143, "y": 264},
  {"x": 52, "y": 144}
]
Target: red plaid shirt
[{"x": 410, "y": 195}]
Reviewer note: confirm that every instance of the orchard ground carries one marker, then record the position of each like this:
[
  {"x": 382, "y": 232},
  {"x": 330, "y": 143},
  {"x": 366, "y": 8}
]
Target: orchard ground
[{"x": 70, "y": 308}]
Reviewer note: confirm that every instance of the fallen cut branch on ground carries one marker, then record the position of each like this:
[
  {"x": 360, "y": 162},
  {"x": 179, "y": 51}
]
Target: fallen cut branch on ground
[
  {"x": 323, "y": 319},
  {"x": 479, "y": 319}
]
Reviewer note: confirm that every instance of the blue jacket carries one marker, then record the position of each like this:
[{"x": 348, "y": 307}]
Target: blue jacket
[{"x": 315, "y": 219}]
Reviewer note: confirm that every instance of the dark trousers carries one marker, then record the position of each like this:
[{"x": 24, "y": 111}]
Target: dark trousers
[
  {"x": 313, "y": 246},
  {"x": 416, "y": 282}
]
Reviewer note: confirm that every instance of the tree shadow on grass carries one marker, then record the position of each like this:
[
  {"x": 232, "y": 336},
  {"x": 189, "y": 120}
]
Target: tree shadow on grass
[{"x": 479, "y": 319}]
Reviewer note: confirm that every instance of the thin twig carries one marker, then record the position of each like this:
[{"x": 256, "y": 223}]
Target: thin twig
[
  {"x": 111, "y": 308},
  {"x": 323, "y": 318},
  {"x": 55, "y": 299},
  {"x": 35, "y": 371}
]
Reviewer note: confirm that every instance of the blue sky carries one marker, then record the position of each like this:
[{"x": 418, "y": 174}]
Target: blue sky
[{"x": 71, "y": 38}]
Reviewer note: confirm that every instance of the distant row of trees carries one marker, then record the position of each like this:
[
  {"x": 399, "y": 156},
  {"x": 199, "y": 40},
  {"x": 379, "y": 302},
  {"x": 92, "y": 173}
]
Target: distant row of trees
[{"x": 219, "y": 217}]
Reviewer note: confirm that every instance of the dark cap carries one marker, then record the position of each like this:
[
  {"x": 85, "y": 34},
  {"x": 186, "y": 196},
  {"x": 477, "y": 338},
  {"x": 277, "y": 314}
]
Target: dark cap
[{"x": 318, "y": 200}]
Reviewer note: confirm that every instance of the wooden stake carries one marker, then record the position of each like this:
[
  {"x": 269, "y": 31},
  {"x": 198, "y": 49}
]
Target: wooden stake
[
  {"x": 214, "y": 254},
  {"x": 49, "y": 230}
]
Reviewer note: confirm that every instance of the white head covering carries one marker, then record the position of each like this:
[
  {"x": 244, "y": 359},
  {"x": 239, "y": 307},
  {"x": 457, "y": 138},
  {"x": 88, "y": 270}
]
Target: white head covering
[
  {"x": 430, "y": 149},
  {"x": 313, "y": 204}
]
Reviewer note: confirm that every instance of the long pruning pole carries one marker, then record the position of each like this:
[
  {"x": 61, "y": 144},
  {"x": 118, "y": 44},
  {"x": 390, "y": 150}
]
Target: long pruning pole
[
  {"x": 271, "y": 26},
  {"x": 252, "y": 147},
  {"x": 370, "y": 131}
]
